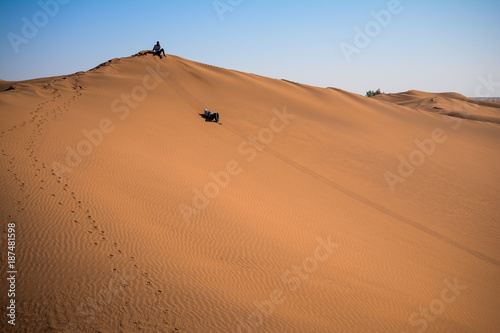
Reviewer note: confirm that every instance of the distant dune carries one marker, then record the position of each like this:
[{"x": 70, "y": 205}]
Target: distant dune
[
  {"x": 488, "y": 99},
  {"x": 308, "y": 210},
  {"x": 450, "y": 104}
]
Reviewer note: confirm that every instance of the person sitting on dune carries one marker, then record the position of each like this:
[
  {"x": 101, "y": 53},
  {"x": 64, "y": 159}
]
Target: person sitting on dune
[
  {"x": 158, "y": 50},
  {"x": 209, "y": 115}
]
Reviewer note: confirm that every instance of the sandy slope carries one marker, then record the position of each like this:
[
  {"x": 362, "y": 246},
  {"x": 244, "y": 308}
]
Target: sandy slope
[{"x": 300, "y": 213}]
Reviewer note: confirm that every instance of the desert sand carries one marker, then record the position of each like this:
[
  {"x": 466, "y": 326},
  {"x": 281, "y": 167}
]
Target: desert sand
[{"x": 308, "y": 210}]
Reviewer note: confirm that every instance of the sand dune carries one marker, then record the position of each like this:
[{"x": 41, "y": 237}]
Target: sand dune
[
  {"x": 307, "y": 210},
  {"x": 449, "y": 104}
]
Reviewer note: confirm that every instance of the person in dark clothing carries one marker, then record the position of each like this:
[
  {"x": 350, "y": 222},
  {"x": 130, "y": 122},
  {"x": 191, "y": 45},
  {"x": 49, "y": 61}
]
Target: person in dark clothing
[
  {"x": 209, "y": 115},
  {"x": 158, "y": 50}
]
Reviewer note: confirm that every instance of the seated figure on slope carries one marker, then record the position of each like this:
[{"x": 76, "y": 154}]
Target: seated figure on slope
[{"x": 157, "y": 49}]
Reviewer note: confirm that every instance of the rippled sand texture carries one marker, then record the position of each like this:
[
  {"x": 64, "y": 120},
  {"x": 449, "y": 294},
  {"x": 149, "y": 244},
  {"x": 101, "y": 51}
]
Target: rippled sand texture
[{"x": 308, "y": 210}]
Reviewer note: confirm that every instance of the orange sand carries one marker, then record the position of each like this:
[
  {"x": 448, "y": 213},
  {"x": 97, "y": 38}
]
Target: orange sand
[{"x": 308, "y": 210}]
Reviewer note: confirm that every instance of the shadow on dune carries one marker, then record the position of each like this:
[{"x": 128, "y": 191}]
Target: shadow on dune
[
  {"x": 208, "y": 120},
  {"x": 8, "y": 88}
]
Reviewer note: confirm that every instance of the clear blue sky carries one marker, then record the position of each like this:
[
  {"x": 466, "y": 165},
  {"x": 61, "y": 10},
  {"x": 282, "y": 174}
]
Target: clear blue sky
[{"x": 430, "y": 45}]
